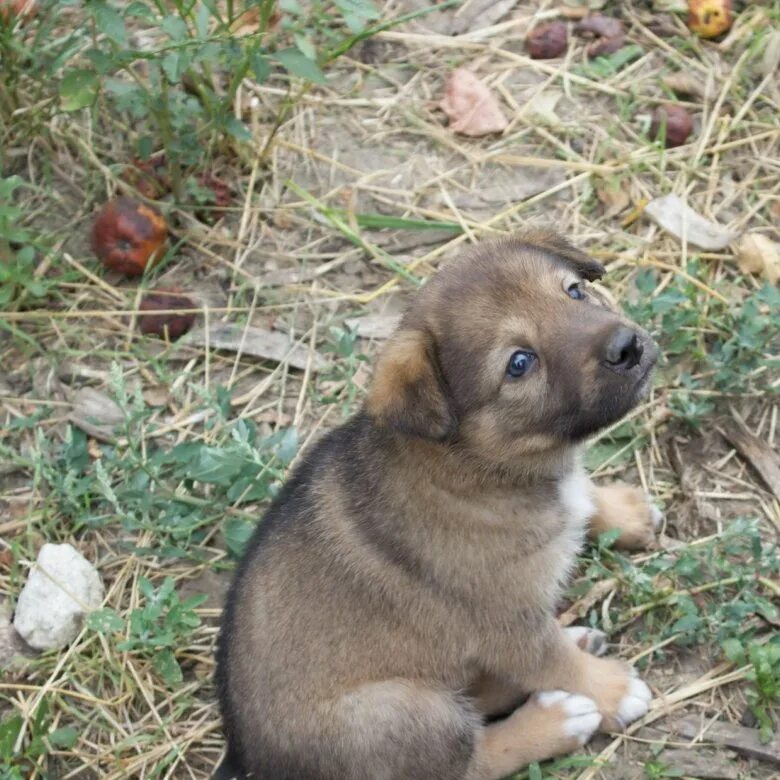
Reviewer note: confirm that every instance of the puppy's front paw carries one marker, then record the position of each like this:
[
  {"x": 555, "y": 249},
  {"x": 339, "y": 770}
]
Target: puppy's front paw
[
  {"x": 578, "y": 716},
  {"x": 621, "y": 696},
  {"x": 633, "y": 513}
]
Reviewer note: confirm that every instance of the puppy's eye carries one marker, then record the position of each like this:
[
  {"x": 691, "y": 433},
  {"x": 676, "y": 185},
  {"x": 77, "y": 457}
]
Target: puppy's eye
[
  {"x": 520, "y": 363},
  {"x": 575, "y": 291}
]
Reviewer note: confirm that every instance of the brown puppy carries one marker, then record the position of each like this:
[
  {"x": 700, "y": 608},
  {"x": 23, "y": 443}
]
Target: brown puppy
[{"x": 401, "y": 590}]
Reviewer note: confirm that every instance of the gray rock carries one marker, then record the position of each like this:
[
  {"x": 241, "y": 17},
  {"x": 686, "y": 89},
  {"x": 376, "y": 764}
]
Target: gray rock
[{"x": 61, "y": 589}]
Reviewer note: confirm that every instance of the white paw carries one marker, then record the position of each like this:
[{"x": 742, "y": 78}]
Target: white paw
[
  {"x": 582, "y": 714},
  {"x": 635, "y": 703},
  {"x": 591, "y": 640}
]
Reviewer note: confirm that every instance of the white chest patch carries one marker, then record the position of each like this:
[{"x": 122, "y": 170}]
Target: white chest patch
[{"x": 575, "y": 492}]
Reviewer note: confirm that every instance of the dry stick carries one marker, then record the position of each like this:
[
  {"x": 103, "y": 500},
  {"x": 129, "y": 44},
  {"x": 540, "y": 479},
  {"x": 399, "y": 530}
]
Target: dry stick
[{"x": 704, "y": 138}]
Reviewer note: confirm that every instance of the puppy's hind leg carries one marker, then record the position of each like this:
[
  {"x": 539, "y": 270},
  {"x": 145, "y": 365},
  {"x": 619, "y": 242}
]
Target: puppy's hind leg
[{"x": 399, "y": 729}]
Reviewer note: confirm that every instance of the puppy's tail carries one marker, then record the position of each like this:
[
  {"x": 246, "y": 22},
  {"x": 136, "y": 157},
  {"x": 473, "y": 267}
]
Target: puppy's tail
[{"x": 229, "y": 769}]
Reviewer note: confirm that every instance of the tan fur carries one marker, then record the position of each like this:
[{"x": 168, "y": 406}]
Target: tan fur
[{"x": 403, "y": 587}]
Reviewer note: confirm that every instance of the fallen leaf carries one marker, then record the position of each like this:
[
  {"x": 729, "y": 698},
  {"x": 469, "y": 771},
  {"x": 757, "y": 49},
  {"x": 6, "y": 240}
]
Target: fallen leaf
[
  {"x": 470, "y": 106},
  {"x": 248, "y": 22},
  {"x": 258, "y": 342},
  {"x": 476, "y": 14},
  {"x": 509, "y": 186},
  {"x": 771, "y": 59},
  {"x": 746, "y": 742},
  {"x": 614, "y": 197},
  {"x": 156, "y": 395},
  {"x": 374, "y": 326},
  {"x": 672, "y": 214},
  {"x": 95, "y": 413},
  {"x": 760, "y": 454},
  {"x": 682, "y": 83},
  {"x": 542, "y": 107},
  {"x": 756, "y": 254}
]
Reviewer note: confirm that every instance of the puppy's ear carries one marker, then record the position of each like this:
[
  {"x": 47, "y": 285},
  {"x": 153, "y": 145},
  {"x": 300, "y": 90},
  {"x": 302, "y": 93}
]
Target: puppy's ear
[
  {"x": 408, "y": 393},
  {"x": 589, "y": 268}
]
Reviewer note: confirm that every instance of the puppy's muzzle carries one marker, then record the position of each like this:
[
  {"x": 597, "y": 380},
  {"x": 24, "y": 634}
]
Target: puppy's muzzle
[{"x": 627, "y": 349}]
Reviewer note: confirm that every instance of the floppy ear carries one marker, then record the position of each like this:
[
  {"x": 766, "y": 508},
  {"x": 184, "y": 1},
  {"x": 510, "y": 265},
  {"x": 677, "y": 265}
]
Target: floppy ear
[
  {"x": 589, "y": 268},
  {"x": 408, "y": 393}
]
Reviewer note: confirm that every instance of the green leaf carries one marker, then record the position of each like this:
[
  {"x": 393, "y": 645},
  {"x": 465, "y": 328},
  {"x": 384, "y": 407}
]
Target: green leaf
[
  {"x": 166, "y": 665},
  {"x": 105, "y": 621},
  {"x": 79, "y": 89},
  {"x": 534, "y": 772},
  {"x": 216, "y": 466},
  {"x": 237, "y": 532},
  {"x": 171, "y": 64},
  {"x": 260, "y": 67},
  {"x": 305, "y": 46},
  {"x": 202, "y": 21},
  {"x": 110, "y": 22},
  {"x": 9, "y": 731},
  {"x": 299, "y": 65},
  {"x": 64, "y": 738},
  {"x": 140, "y": 10},
  {"x": 237, "y": 129},
  {"x": 288, "y": 446},
  {"x": 174, "y": 27}
]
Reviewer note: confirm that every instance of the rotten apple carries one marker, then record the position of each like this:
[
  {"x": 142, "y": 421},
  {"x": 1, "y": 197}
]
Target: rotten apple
[
  {"x": 128, "y": 236},
  {"x": 171, "y": 319}
]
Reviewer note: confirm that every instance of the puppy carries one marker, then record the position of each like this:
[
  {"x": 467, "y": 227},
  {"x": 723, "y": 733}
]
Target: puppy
[{"x": 400, "y": 593}]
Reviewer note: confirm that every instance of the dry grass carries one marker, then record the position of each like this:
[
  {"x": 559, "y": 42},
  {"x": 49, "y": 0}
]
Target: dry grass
[{"x": 373, "y": 142}]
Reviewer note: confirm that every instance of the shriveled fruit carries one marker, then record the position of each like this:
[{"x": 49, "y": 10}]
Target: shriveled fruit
[
  {"x": 709, "y": 18},
  {"x": 221, "y": 190},
  {"x": 168, "y": 323},
  {"x": 150, "y": 177},
  {"x": 547, "y": 41},
  {"x": 609, "y": 32},
  {"x": 128, "y": 236},
  {"x": 10, "y": 10},
  {"x": 677, "y": 121}
]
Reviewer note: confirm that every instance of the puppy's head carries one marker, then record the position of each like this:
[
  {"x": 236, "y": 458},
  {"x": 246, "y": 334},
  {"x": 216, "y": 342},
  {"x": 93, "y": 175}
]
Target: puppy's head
[{"x": 508, "y": 351}]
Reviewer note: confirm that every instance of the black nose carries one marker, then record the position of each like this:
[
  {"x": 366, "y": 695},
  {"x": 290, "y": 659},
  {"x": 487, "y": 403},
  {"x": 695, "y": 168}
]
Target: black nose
[{"x": 623, "y": 351}]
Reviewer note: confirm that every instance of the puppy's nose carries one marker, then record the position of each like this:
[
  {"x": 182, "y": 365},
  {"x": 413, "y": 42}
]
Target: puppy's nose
[{"x": 623, "y": 350}]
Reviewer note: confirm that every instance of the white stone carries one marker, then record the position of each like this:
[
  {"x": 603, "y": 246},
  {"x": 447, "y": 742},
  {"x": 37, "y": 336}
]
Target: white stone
[{"x": 61, "y": 589}]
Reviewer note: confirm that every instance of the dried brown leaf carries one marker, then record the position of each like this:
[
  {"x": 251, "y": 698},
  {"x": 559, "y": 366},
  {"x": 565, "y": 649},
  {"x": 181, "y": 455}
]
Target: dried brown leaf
[
  {"x": 679, "y": 219},
  {"x": 470, "y": 106},
  {"x": 756, "y": 254},
  {"x": 682, "y": 83},
  {"x": 95, "y": 413},
  {"x": 614, "y": 197},
  {"x": 259, "y": 342}
]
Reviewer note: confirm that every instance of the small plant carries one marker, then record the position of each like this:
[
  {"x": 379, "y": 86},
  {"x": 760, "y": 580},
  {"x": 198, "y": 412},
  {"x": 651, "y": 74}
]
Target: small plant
[
  {"x": 181, "y": 85},
  {"x": 342, "y": 389},
  {"x": 155, "y": 629},
  {"x": 725, "y": 347},
  {"x": 764, "y": 674},
  {"x": 37, "y": 739},
  {"x": 18, "y": 282},
  {"x": 175, "y": 493}
]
